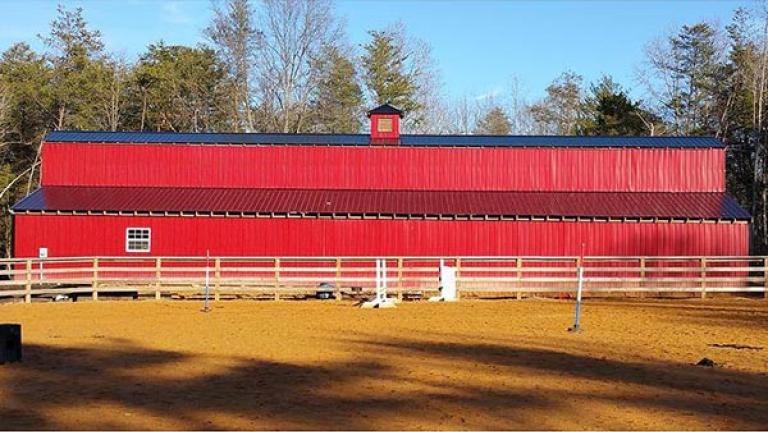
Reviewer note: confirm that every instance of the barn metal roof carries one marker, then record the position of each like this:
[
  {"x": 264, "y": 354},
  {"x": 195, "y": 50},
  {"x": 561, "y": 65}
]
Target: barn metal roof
[
  {"x": 699, "y": 205},
  {"x": 364, "y": 139},
  {"x": 386, "y": 109}
]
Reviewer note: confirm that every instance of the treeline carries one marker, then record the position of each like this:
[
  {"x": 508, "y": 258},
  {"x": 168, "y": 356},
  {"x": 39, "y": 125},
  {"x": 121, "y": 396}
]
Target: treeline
[{"x": 286, "y": 66}]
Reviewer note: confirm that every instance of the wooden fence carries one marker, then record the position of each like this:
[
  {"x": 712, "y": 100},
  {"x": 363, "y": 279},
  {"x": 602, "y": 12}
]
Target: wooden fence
[{"x": 354, "y": 277}]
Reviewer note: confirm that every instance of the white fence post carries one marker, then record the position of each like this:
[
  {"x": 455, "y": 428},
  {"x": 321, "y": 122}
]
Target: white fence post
[
  {"x": 579, "y": 286},
  {"x": 217, "y": 279}
]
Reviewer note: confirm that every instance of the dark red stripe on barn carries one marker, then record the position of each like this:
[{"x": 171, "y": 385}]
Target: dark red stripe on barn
[{"x": 713, "y": 206}]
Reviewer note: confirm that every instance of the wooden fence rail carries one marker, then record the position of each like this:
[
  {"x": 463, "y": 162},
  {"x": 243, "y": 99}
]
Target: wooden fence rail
[{"x": 355, "y": 276}]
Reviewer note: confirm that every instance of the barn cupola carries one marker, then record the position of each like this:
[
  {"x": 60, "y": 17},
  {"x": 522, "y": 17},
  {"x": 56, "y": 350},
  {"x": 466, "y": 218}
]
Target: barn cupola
[{"x": 385, "y": 125}]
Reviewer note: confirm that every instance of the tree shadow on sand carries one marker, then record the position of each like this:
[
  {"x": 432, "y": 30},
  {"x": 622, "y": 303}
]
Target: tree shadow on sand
[
  {"x": 743, "y": 314},
  {"x": 374, "y": 390},
  {"x": 258, "y": 394},
  {"x": 736, "y": 399}
]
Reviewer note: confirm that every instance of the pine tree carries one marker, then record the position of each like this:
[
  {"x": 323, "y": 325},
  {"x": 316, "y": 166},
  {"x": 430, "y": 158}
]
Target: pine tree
[
  {"x": 696, "y": 66},
  {"x": 685, "y": 79},
  {"x": 338, "y": 103},
  {"x": 182, "y": 89},
  {"x": 610, "y": 111},
  {"x": 385, "y": 74},
  {"x": 81, "y": 73},
  {"x": 495, "y": 122},
  {"x": 26, "y": 79}
]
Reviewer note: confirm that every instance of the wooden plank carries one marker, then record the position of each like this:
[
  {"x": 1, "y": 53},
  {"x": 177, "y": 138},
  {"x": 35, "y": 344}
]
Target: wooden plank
[
  {"x": 519, "y": 277},
  {"x": 711, "y": 269},
  {"x": 11, "y": 271},
  {"x": 692, "y": 280},
  {"x": 276, "y": 270},
  {"x": 277, "y": 279},
  {"x": 28, "y": 285},
  {"x": 515, "y": 269},
  {"x": 95, "y": 283},
  {"x": 511, "y": 291},
  {"x": 505, "y": 258},
  {"x": 216, "y": 279},
  {"x": 103, "y": 268},
  {"x": 284, "y": 269},
  {"x": 703, "y": 278},
  {"x": 765, "y": 278},
  {"x": 337, "y": 282},
  {"x": 158, "y": 278},
  {"x": 659, "y": 289},
  {"x": 458, "y": 278},
  {"x": 512, "y": 279}
]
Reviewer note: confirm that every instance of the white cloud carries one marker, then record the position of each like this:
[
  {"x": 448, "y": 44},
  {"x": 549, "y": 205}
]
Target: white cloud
[{"x": 490, "y": 94}]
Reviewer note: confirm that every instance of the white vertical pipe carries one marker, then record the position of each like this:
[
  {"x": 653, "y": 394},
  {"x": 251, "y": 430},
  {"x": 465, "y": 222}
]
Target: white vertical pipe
[{"x": 383, "y": 280}]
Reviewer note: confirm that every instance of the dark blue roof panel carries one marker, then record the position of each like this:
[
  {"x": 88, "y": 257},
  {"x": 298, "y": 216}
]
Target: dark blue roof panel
[{"x": 364, "y": 139}]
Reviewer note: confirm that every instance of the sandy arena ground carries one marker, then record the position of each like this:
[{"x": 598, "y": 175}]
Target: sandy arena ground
[{"x": 315, "y": 365}]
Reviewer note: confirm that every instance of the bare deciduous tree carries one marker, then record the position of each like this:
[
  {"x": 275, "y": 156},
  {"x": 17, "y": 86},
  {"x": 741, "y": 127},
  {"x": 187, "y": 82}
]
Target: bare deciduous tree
[
  {"x": 682, "y": 74},
  {"x": 519, "y": 109},
  {"x": 423, "y": 69},
  {"x": 235, "y": 37},
  {"x": 112, "y": 99},
  {"x": 560, "y": 112},
  {"x": 292, "y": 36},
  {"x": 464, "y": 116}
]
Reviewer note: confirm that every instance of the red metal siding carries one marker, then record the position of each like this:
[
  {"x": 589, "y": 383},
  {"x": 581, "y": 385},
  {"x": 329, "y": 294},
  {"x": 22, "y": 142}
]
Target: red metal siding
[
  {"x": 382, "y": 167},
  {"x": 192, "y": 236}
]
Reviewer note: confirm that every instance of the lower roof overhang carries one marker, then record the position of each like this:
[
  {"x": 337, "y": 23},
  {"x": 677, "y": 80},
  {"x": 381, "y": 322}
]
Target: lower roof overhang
[{"x": 673, "y": 207}]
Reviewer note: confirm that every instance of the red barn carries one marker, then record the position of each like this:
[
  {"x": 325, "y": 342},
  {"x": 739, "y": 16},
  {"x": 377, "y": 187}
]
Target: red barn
[{"x": 182, "y": 194}]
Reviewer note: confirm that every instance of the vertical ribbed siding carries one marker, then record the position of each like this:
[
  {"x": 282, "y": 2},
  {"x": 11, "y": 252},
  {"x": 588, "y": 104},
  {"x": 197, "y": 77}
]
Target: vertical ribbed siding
[
  {"x": 191, "y": 236},
  {"x": 518, "y": 169}
]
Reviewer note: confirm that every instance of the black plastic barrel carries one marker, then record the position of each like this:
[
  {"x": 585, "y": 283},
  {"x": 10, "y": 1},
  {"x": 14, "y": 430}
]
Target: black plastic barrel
[{"x": 10, "y": 343}]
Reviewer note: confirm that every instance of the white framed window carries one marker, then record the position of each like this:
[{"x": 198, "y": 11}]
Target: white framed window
[{"x": 138, "y": 239}]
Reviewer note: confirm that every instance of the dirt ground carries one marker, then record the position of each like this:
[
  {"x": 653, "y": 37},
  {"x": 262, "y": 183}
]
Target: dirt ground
[{"x": 328, "y": 365}]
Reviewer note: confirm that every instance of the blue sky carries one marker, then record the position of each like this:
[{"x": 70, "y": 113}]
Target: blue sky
[{"x": 478, "y": 45}]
